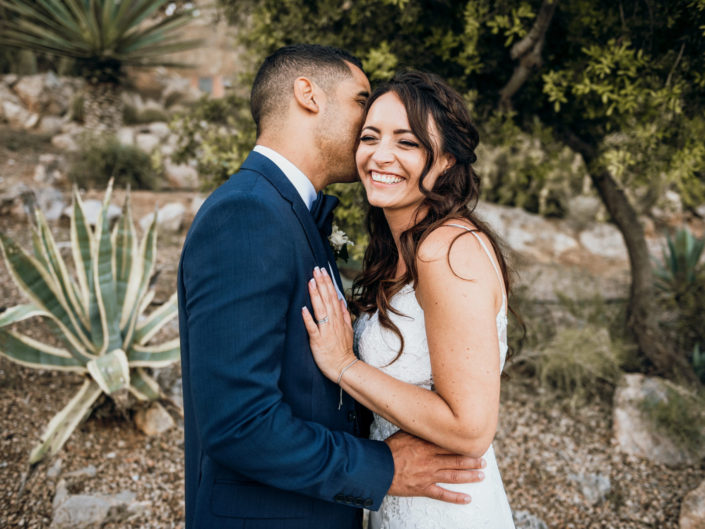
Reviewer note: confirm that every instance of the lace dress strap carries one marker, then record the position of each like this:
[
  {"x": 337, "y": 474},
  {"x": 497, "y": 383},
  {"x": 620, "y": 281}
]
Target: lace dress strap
[{"x": 489, "y": 256}]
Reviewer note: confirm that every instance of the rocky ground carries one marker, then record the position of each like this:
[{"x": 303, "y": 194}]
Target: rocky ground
[{"x": 560, "y": 465}]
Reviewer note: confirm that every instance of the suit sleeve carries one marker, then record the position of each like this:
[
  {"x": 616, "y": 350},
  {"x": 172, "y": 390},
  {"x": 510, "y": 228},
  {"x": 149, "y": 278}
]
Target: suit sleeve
[{"x": 238, "y": 277}]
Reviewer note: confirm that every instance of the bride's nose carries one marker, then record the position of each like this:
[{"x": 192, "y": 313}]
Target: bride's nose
[{"x": 383, "y": 153}]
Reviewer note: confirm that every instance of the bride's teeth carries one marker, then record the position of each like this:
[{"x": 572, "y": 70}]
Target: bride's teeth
[{"x": 385, "y": 178}]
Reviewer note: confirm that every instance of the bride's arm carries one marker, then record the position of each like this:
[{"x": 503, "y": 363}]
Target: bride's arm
[{"x": 460, "y": 297}]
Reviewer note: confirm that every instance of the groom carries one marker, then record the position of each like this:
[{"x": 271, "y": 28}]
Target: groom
[{"x": 267, "y": 445}]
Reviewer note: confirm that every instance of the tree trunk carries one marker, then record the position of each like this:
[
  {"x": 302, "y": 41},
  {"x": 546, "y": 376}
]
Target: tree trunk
[
  {"x": 103, "y": 107},
  {"x": 642, "y": 310}
]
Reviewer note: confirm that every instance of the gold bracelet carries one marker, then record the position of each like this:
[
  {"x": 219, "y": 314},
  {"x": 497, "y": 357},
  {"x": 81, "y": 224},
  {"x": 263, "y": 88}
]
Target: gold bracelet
[{"x": 340, "y": 377}]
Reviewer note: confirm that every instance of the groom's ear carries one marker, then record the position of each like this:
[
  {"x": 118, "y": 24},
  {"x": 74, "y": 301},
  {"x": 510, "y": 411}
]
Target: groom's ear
[{"x": 305, "y": 94}]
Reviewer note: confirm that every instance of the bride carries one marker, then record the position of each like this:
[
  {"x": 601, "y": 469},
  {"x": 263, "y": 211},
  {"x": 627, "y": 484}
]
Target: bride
[{"x": 432, "y": 299}]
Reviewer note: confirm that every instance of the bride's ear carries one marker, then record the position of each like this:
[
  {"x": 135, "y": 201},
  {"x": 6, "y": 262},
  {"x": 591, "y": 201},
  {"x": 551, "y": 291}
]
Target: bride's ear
[{"x": 447, "y": 161}]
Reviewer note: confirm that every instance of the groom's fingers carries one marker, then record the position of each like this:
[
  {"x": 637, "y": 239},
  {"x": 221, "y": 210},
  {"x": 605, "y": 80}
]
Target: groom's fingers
[
  {"x": 439, "y": 493},
  {"x": 459, "y": 476},
  {"x": 455, "y": 461}
]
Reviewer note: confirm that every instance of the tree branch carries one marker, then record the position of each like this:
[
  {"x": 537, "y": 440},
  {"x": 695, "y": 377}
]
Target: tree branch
[
  {"x": 528, "y": 51},
  {"x": 537, "y": 32}
]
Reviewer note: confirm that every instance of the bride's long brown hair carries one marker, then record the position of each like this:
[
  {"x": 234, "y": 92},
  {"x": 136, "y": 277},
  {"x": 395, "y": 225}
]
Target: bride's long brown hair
[{"x": 453, "y": 196}]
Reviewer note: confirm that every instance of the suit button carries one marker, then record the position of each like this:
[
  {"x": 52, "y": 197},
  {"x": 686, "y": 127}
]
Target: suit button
[
  {"x": 351, "y": 416},
  {"x": 368, "y": 502},
  {"x": 339, "y": 497},
  {"x": 359, "y": 502},
  {"x": 349, "y": 499}
]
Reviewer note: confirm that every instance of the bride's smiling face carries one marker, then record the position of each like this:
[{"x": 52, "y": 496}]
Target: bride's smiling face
[{"x": 390, "y": 158}]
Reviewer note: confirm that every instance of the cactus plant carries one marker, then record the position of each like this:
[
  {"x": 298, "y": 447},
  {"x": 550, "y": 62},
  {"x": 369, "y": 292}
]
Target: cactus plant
[{"x": 98, "y": 317}]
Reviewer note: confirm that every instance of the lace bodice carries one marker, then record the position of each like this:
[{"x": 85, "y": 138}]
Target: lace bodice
[{"x": 378, "y": 346}]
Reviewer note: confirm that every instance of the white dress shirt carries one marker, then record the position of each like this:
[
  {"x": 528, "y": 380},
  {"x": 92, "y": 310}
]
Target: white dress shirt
[{"x": 302, "y": 185}]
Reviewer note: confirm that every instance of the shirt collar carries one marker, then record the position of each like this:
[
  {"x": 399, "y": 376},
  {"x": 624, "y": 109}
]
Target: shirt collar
[{"x": 298, "y": 179}]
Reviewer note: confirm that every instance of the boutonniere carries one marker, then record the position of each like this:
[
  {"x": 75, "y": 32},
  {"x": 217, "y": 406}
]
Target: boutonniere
[{"x": 339, "y": 241}]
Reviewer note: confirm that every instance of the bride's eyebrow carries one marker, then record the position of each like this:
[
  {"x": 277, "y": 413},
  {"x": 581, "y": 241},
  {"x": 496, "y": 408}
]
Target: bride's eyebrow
[{"x": 397, "y": 131}]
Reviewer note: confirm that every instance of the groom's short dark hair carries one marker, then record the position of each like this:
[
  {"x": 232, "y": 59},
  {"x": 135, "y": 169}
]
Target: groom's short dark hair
[{"x": 271, "y": 90}]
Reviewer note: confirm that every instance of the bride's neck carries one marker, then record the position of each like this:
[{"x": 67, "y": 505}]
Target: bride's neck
[{"x": 401, "y": 220}]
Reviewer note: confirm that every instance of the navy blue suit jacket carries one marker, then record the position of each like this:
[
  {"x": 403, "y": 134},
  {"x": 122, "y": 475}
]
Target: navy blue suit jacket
[{"x": 265, "y": 443}]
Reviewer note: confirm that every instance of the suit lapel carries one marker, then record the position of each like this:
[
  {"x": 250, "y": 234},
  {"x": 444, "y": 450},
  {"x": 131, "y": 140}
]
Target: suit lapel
[{"x": 268, "y": 169}]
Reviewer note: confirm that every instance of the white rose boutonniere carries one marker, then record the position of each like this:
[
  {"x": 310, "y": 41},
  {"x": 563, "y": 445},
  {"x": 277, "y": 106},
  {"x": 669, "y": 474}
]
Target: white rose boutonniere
[{"x": 339, "y": 241}]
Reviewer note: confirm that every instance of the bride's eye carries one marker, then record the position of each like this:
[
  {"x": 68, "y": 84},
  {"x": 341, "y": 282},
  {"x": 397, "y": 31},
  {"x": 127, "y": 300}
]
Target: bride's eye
[
  {"x": 366, "y": 138},
  {"x": 409, "y": 143}
]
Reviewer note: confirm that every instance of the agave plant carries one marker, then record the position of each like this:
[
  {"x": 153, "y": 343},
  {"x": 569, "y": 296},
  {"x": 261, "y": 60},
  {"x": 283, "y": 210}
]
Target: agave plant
[
  {"x": 102, "y": 36},
  {"x": 98, "y": 316},
  {"x": 681, "y": 261}
]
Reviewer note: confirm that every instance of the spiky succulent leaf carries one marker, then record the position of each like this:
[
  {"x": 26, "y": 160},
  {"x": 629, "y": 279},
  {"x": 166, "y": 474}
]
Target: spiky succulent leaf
[
  {"x": 110, "y": 371},
  {"x": 81, "y": 242},
  {"x": 101, "y": 34},
  {"x": 154, "y": 355},
  {"x": 144, "y": 387},
  {"x": 64, "y": 423},
  {"x": 104, "y": 281},
  {"x": 126, "y": 261},
  {"x": 19, "y": 313},
  {"x": 146, "y": 329},
  {"x": 28, "y": 352},
  {"x": 147, "y": 253},
  {"x": 58, "y": 270},
  {"x": 34, "y": 280}
]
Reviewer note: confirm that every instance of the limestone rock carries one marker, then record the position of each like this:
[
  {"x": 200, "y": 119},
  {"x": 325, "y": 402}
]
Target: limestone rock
[
  {"x": 51, "y": 202},
  {"x": 593, "y": 486},
  {"x": 55, "y": 469},
  {"x": 583, "y": 210},
  {"x": 31, "y": 121},
  {"x": 31, "y": 90},
  {"x": 636, "y": 434},
  {"x": 527, "y": 233},
  {"x": 86, "y": 511},
  {"x": 179, "y": 90},
  {"x": 693, "y": 509},
  {"x": 51, "y": 125},
  {"x": 525, "y": 520},
  {"x": 65, "y": 142},
  {"x": 604, "y": 240},
  {"x": 50, "y": 170},
  {"x": 196, "y": 204},
  {"x": 91, "y": 208},
  {"x": 153, "y": 420},
  {"x": 169, "y": 218},
  {"x": 159, "y": 129},
  {"x": 126, "y": 136},
  {"x": 146, "y": 141},
  {"x": 15, "y": 114},
  {"x": 7, "y": 95},
  {"x": 181, "y": 176}
]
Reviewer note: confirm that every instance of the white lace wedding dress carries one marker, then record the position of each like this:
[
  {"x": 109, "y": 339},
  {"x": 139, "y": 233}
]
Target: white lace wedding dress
[{"x": 489, "y": 508}]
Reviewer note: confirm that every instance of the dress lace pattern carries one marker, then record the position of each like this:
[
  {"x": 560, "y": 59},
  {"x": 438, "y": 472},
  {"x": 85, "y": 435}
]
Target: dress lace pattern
[{"x": 378, "y": 346}]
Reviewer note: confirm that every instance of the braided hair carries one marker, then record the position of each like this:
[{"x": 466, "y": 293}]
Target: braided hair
[{"x": 454, "y": 194}]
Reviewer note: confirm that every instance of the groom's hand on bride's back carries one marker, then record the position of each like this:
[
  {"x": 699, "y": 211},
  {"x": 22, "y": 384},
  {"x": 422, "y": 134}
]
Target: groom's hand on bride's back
[{"x": 420, "y": 465}]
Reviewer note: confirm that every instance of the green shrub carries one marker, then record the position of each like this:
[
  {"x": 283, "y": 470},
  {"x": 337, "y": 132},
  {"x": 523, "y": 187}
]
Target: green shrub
[
  {"x": 575, "y": 349},
  {"x": 680, "y": 278},
  {"x": 100, "y": 159},
  {"x": 579, "y": 363},
  {"x": 680, "y": 415},
  {"x": 131, "y": 116},
  {"x": 78, "y": 112},
  {"x": 98, "y": 319},
  {"x": 218, "y": 134}
]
